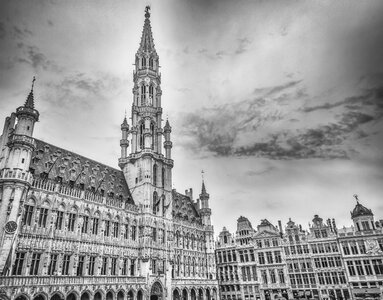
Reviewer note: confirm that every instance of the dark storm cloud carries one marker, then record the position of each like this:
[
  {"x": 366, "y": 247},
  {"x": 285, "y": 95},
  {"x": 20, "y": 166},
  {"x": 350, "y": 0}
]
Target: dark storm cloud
[
  {"x": 217, "y": 130},
  {"x": 33, "y": 56}
]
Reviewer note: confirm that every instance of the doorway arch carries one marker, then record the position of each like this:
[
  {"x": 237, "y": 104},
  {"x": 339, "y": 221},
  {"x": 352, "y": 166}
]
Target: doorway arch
[{"x": 156, "y": 292}]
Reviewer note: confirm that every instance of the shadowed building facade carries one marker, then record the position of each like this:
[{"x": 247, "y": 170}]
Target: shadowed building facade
[{"x": 73, "y": 228}]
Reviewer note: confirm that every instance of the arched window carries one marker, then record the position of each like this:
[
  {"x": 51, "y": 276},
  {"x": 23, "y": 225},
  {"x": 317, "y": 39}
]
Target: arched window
[
  {"x": 143, "y": 93},
  {"x": 155, "y": 174},
  {"x": 151, "y": 63},
  {"x": 141, "y": 135},
  {"x": 152, "y": 133},
  {"x": 155, "y": 197},
  {"x": 151, "y": 93},
  {"x": 143, "y": 63},
  {"x": 163, "y": 176}
]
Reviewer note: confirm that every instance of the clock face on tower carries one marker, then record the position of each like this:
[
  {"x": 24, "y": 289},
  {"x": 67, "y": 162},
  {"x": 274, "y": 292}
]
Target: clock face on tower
[{"x": 10, "y": 226}]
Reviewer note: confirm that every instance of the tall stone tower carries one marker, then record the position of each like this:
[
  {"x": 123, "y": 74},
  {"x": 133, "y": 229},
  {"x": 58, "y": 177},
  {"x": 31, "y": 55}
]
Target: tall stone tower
[
  {"x": 147, "y": 170},
  {"x": 17, "y": 145}
]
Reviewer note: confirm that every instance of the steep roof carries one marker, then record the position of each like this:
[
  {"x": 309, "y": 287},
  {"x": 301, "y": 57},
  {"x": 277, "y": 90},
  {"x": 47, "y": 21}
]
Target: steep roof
[
  {"x": 75, "y": 169},
  {"x": 184, "y": 208},
  {"x": 360, "y": 210},
  {"x": 147, "y": 42}
]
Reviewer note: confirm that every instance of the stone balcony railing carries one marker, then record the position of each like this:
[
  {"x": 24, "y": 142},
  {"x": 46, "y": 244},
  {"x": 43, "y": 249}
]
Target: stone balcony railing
[
  {"x": 22, "y": 139},
  {"x": 17, "y": 281},
  {"x": 16, "y": 174}
]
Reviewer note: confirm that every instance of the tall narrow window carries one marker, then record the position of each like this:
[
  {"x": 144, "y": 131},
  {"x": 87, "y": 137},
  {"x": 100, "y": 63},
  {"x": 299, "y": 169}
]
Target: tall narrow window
[
  {"x": 163, "y": 176},
  {"x": 52, "y": 264},
  {"x": 143, "y": 95},
  {"x": 104, "y": 265},
  {"x": 80, "y": 265},
  {"x": 152, "y": 133},
  {"x": 126, "y": 232},
  {"x": 115, "y": 229},
  {"x": 66, "y": 261},
  {"x": 141, "y": 135},
  {"x": 92, "y": 261},
  {"x": 124, "y": 267},
  {"x": 155, "y": 203},
  {"x": 95, "y": 226},
  {"x": 155, "y": 175},
  {"x": 151, "y": 63},
  {"x": 84, "y": 228},
  {"x": 143, "y": 62},
  {"x": 151, "y": 95},
  {"x": 113, "y": 266},
  {"x": 19, "y": 262},
  {"x": 59, "y": 220},
  {"x": 132, "y": 267},
  {"x": 43, "y": 217},
  {"x": 134, "y": 228},
  {"x": 107, "y": 228},
  {"x": 34, "y": 269},
  {"x": 28, "y": 213},
  {"x": 71, "y": 221}
]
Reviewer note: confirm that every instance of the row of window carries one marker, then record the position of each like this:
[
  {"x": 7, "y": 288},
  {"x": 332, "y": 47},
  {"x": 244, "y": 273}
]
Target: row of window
[
  {"x": 299, "y": 279},
  {"x": 190, "y": 267},
  {"x": 328, "y": 262},
  {"x": 302, "y": 265},
  {"x": 189, "y": 242},
  {"x": 270, "y": 258},
  {"x": 324, "y": 248},
  {"x": 65, "y": 265},
  {"x": 357, "y": 247},
  {"x": 227, "y": 256},
  {"x": 332, "y": 278},
  {"x": 365, "y": 267},
  {"x": 89, "y": 225},
  {"x": 298, "y": 249},
  {"x": 249, "y": 273},
  {"x": 271, "y": 276}
]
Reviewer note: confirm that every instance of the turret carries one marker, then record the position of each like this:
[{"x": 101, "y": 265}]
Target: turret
[
  {"x": 124, "y": 142},
  {"x": 15, "y": 178},
  {"x": 168, "y": 144},
  {"x": 204, "y": 202},
  {"x": 362, "y": 217}
]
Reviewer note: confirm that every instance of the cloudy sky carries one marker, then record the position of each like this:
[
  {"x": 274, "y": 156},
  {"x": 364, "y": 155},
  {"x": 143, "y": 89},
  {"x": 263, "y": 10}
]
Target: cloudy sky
[{"x": 279, "y": 102}]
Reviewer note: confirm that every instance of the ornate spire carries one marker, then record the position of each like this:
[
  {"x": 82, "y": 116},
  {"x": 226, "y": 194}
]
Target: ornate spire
[
  {"x": 147, "y": 43},
  {"x": 203, "y": 190},
  {"x": 30, "y": 102},
  {"x": 125, "y": 124}
]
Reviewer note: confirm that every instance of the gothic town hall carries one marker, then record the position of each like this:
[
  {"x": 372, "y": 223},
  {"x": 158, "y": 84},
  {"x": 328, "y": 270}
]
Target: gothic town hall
[{"x": 76, "y": 229}]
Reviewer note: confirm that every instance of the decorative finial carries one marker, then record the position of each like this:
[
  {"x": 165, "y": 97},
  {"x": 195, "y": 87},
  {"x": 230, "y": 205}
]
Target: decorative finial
[
  {"x": 202, "y": 172},
  {"x": 33, "y": 83},
  {"x": 147, "y": 13},
  {"x": 356, "y": 198}
]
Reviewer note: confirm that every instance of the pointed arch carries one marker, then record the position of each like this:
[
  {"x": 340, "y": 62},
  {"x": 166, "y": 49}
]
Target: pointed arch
[{"x": 155, "y": 174}]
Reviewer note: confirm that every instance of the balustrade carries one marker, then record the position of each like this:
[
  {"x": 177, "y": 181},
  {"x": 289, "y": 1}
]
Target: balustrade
[
  {"x": 16, "y": 281},
  {"x": 16, "y": 174}
]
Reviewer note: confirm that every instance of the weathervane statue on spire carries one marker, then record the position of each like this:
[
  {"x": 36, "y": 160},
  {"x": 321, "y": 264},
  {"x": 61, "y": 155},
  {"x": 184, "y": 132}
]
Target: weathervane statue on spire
[{"x": 147, "y": 13}]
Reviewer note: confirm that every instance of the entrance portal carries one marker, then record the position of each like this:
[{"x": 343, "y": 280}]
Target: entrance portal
[{"x": 156, "y": 292}]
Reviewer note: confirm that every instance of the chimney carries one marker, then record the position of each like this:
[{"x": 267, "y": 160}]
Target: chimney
[
  {"x": 334, "y": 226},
  {"x": 191, "y": 193},
  {"x": 329, "y": 224},
  {"x": 280, "y": 227}
]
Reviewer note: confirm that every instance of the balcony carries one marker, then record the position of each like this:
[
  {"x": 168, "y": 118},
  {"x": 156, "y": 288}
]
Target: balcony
[
  {"x": 16, "y": 175},
  {"x": 19, "y": 281},
  {"x": 22, "y": 139}
]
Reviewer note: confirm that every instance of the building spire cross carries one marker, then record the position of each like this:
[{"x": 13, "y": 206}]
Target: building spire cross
[{"x": 356, "y": 198}]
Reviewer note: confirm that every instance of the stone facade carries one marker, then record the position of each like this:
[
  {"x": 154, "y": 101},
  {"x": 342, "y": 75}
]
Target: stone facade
[
  {"x": 73, "y": 228},
  {"x": 324, "y": 262}
]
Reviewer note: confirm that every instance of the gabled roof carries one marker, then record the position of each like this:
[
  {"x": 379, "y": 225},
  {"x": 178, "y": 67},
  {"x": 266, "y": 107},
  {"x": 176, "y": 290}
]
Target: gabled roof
[{"x": 76, "y": 169}]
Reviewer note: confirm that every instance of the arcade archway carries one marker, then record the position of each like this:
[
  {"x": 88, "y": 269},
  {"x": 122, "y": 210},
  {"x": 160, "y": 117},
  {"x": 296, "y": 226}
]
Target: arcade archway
[{"x": 156, "y": 293}]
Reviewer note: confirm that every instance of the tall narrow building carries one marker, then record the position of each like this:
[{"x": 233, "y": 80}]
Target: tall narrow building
[{"x": 76, "y": 229}]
